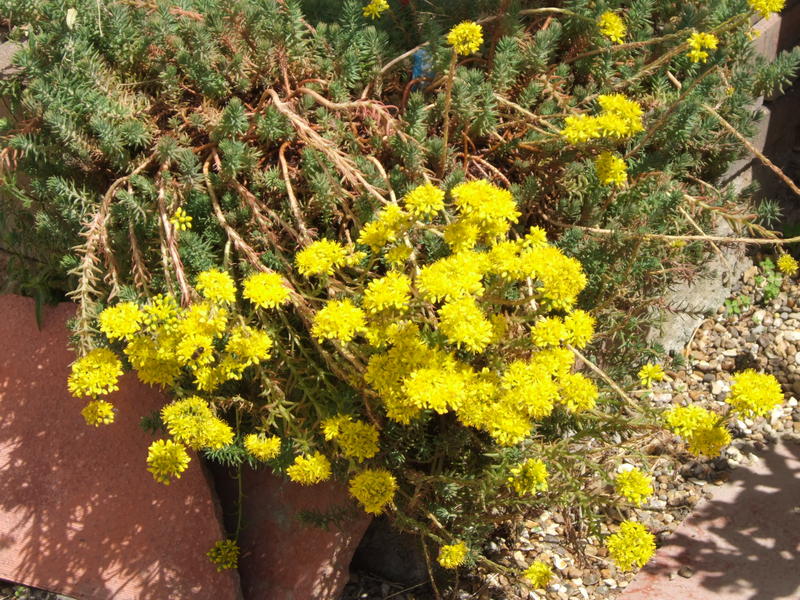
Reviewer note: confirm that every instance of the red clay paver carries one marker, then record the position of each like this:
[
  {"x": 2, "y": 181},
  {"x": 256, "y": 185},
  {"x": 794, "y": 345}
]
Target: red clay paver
[
  {"x": 285, "y": 558},
  {"x": 742, "y": 544},
  {"x": 79, "y": 513}
]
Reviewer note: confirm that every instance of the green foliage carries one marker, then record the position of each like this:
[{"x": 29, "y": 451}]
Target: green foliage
[
  {"x": 769, "y": 281},
  {"x": 737, "y": 305}
]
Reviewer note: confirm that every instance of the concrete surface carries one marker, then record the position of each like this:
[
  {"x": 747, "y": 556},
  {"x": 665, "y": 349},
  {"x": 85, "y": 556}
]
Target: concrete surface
[
  {"x": 742, "y": 544},
  {"x": 79, "y": 513}
]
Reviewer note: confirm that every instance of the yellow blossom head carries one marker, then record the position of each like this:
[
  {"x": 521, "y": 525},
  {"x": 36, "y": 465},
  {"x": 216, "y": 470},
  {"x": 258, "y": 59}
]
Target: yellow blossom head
[
  {"x": 754, "y": 394},
  {"x": 308, "y": 470},
  {"x": 453, "y": 555},
  {"x": 632, "y": 546},
  {"x": 224, "y": 554},
  {"x": 98, "y": 412},
  {"x": 787, "y": 265},
  {"x": 538, "y": 574},
  {"x": 466, "y": 37},
  {"x": 95, "y": 374},
  {"x": 216, "y": 285},
  {"x": 611, "y": 169},
  {"x": 634, "y": 485},
  {"x": 767, "y": 7},
  {"x": 121, "y": 321},
  {"x": 374, "y": 489},
  {"x": 612, "y": 26},
  {"x": 265, "y": 290},
  {"x": 166, "y": 459},
  {"x": 262, "y": 447}
]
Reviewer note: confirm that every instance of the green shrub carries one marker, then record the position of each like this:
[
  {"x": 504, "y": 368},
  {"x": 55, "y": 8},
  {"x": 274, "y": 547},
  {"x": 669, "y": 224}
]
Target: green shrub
[{"x": 183, "y": 161}]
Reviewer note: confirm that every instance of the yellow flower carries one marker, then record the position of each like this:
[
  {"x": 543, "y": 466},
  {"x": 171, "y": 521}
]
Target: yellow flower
[
  {"x": 578, "y": 394},
  {"x": 709, "y": 442},
  {"x": 650, "y": 373},
  {"x": 161, "y": 311},
  {"x": 180, "y": 220},
  {"x": 248, "y": 346},
  {"x": 529, "y": 477},
  {"x": 191, "y": 422},
  {"x": 374, "y": 489},
  {"x": 439, "y": 388},
  {"x": 424, "y": 200},
  {"x": 166, "y": 459},
  {"x": 611, "y": 169},
  {"x": 754, "y": 394},
  {"x": 549, "y": 331},
  {"x": 539, "y": 574},
  {"x": 453, "y": 555},
  {"x": 580, "y": 128},
  {"x": 397, "y": 256},
  {"x": 787, "y": 264},
  {"x": 699, "y": 427},
  {"x": 224, "y": 554},
  {"x": 488, "y": 206},
  {"x": 339, "y": 320},
  {"x": 464, "y": 324},
  {"x": 580, "y": 328},
  {"x": 634, "y": 485},
  {"x": 308, "y": 470},
  {"x": 391, "y": 223},
  {"x": 612, "y": 26},
  {"x": 321, "y": 258},
  {"x": 767, "y": 7},
  {"x": 617, "y": 107},
  {"x": 333, "y": 425},
  {"x": 685, "y": 420},
  {"x": 374, "y": 9},
  {"x": 98, "y": 412},
  {"x": 95, "y": 374},
  {"x": 454, "y": 276},
  {"x": 121, "y": 321},
  {"x": 262, "y": 448},
  {"x": 699, "y": 43},
  {"x": 216, "y": 286},
  {"x": 265, "y": 290},
  {"x": 631, "y": 546},
  {"x": 358, "y": 440},
  {"x": 466, "y": 37},
  {"x": 390, "y": 292}
]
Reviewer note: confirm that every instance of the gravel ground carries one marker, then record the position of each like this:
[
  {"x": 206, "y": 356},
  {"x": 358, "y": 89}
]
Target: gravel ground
[{"x": 764, "y": 336}]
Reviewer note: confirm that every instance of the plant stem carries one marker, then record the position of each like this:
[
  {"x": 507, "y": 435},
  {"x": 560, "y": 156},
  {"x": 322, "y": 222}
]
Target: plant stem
[{"x": 448, "y": 97}]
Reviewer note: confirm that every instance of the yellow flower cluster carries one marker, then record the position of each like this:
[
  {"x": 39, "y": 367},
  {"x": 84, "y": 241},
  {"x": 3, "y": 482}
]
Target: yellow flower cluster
[
  {"x": 224, "y": 554},
  {"x": 358, "y": 440},
  {"x": 323, "y": 257},
  {"x": 611, "y": 169},
  {"x": 95, "y": 374},
  {"x": 539, "y": 574},
  {"x": 190, "y": 421},
  {"x": 699, "y": 427},
  {"x": 176, "y": 341},
  {"x": 529, "y": 477},
  {"x": 121, "y": 321},
  {"x": 180, "y": 220},
  {"x": 699, "y": 44},
  {"x": 634, "y": 485},
  {"x": 308, "y": 470},
  {"x": 265, "y": 290},
  {"x": 612, "y": 26},
  {"x": 98, "y": 412},
  {"x": 392, "y": 291},
  {"x": 389, "y": 226},
  {"x": 767, "y": 7},
  {"x": 453, "y": 555},
  {"x": 375, "y": 8},
  {"x": 338, "y": 320},
  {"x": 166, "y": 459},
  {"x": 619, "y": 118},
  {"x": 216, "y": 285},
  {"x": 631, "y": 546},
  {"x": 754, "y": 394},
  {"x": 424, "y": 201},
  {"x": 374, "y": 489},
  {"x": 466, "y": 37},
  {"x": 787, "y": 264},
  {"x": 261, "y": 447},
  {"x": 650, "y": 373}
]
